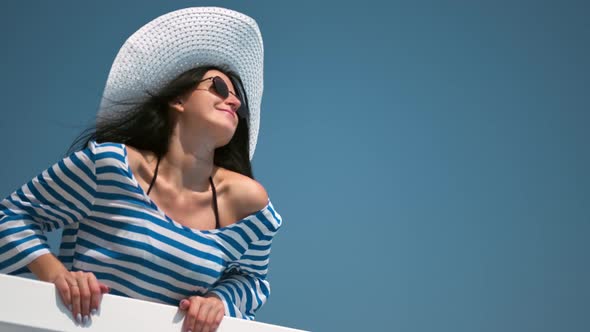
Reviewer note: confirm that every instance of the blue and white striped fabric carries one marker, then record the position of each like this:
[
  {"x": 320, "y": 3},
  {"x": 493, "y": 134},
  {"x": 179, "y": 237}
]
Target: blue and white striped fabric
[{"x": 113, "y": 229}]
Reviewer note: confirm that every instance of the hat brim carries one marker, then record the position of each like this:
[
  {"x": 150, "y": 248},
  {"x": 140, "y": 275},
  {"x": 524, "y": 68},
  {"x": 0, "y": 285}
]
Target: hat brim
[{"x": 185, "y": 39}]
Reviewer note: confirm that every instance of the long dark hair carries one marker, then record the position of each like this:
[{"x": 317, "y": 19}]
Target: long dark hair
[{"x": 148, "y": 125}]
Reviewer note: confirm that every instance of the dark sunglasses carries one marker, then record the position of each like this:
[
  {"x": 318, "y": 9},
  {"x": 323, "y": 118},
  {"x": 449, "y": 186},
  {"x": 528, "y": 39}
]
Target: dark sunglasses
[{"x": 219, "y": 87}]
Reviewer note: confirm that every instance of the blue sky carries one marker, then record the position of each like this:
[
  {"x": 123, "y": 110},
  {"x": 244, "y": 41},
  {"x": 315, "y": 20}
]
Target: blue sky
[{"x": 429, "y": 158}]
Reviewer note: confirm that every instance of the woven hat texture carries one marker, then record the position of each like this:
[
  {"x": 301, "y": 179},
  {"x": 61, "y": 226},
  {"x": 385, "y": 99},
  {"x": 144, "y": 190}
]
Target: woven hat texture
[{"x": 184, "y": 39}]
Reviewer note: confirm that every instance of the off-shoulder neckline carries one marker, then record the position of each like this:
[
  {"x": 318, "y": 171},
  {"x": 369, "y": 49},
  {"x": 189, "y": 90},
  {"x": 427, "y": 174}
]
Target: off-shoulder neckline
[{"x": 176, "y": 223}]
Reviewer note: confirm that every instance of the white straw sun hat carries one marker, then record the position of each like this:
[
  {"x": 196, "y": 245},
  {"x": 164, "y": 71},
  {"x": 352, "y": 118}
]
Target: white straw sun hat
[{"x": 181, "y": 40}]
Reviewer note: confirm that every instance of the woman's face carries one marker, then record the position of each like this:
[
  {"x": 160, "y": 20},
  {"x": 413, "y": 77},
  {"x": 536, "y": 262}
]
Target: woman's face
[{"x": 206, "y": 110}]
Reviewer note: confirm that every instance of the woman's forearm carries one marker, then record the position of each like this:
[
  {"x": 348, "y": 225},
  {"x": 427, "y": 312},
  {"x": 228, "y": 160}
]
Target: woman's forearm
[{"x": 46, "y": 267}]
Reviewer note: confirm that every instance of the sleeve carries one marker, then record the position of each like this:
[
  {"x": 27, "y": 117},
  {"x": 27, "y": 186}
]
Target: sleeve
[
  {"x": 59, "y": 196},
  {"x": 244, "y": 288}
]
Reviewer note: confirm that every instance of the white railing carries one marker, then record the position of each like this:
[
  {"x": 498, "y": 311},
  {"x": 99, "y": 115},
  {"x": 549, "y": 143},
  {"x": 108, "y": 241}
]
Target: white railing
[{"x": 31, "y": 305}]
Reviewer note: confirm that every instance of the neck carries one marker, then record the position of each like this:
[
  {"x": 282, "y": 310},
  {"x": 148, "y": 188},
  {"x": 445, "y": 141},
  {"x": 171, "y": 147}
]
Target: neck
[{"x": 188, "y": 164}]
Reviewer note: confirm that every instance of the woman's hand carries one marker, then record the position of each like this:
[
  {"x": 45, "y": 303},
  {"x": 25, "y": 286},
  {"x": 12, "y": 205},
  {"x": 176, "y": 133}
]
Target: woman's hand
[
  {"x": 203, "y": 313},
  {"x": 81, "y": 292}
]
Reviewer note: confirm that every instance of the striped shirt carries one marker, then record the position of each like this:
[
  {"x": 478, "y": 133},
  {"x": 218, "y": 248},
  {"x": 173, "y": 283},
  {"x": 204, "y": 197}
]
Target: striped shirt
[{"x": 114, "y": 230}]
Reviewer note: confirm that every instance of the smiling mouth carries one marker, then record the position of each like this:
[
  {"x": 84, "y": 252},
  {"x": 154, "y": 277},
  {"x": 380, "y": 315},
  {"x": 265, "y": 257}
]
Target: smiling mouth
[{"x": 229, "y": 111}]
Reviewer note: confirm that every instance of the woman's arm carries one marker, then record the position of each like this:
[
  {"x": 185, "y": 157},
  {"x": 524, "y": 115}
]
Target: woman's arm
[
  {"x": 61, "y": 195},
  {"x": 244, "y": 289},
  {"x": 47, "y": 267}
]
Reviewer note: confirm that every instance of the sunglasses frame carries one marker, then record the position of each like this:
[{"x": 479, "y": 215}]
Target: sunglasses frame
[{"x": 219, "y": 82}]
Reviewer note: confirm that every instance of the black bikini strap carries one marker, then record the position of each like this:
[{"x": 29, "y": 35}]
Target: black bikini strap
[
  {"x": 155, "y": 176},
  {"x": 216, "y": 210},
  {"x": 215, "y": 207}
]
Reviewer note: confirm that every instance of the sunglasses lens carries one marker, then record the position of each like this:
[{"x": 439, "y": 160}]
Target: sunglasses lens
[
  {"x": 222, "y": 90},
  {"x": 220, "y": 87}
]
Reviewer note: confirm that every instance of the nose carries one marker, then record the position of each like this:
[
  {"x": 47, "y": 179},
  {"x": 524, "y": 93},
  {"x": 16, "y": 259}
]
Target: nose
[{"x": 233, "y": 101}]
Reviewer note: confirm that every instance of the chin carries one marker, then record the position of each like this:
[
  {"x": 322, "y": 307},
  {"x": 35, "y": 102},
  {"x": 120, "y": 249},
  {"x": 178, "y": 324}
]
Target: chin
[
  {"x": 224, "y": 131},
  {"x": 225, "y": 139}
]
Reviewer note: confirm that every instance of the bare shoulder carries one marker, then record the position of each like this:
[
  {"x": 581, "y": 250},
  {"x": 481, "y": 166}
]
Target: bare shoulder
[
  {"x": 136, "y": 157},
  {"x": 244, "y": 194}
]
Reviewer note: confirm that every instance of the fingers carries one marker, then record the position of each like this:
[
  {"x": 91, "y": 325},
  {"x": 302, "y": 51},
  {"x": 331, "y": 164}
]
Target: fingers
[
  {"x": 202, "y": 318},
  {"x": 184, "y": 304},
  {"x": 81, "y": 292},
  {"x": 95, "y": 293},
  {"x": 63, "y": 288},
  {"x": 85, "y": 296},
  {"x": 219, "y": 317},
  {"x": 104, "y": 288},
  {"x": 209, "y": 319},
  {"x": 75, "y": 296},
  {"x": 191, "y": 316},
  {"x": 203, "y": 314}
]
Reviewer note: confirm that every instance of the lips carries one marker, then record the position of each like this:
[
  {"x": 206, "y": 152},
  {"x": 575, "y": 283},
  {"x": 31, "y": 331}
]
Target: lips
[{"x": 230, "y": 112}]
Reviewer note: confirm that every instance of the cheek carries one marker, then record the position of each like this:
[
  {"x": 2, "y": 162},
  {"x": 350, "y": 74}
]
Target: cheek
[{"x": 197, "y": 109}]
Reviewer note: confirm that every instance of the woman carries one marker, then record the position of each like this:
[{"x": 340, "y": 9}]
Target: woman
[{"x": 159, "y": 203}]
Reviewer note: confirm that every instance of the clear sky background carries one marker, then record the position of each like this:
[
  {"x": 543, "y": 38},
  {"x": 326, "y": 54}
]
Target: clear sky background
[{"x": 430, "y": 159}]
